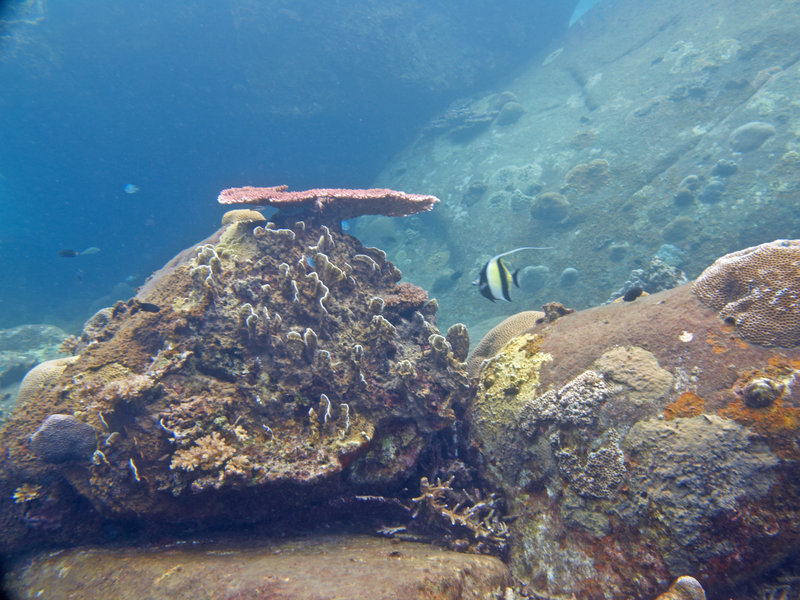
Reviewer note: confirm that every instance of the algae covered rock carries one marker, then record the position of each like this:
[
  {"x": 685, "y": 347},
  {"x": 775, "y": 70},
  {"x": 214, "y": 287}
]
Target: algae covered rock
[
  {"x": 259, "y": 371},
  {"x": 640, "y": 442}
]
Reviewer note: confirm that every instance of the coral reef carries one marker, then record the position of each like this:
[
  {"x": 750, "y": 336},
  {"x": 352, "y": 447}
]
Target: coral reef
[
  {"x": 550, "y": 206},
  {"x": 510, "y": 113},
  {"x": 757, "y": 289},
  {"x": 678, "y": 463},
  {"x": 243, "y": 215},
  {"x": 461, "y": 122},
  {"x": 576, "y": 403},
  {"x": 601, "y": 476},
  {"x": 657, "y": 277},
  {"x": 40, "y": 377},
  {"x": 269, "y": 365},
  {"x": 22, "y": 347},
  {"x": 458, "y": 338}
]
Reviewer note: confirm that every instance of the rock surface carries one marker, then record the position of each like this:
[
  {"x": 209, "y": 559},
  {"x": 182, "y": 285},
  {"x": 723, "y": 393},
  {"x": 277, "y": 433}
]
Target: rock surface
[
  {"x": 623, "y": 438},
  {"x": 697, "y": 151},
  {"x": 334, "y": 568}
]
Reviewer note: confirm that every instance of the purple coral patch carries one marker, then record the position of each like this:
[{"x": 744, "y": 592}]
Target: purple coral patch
[{"x": 62, "y": 438}]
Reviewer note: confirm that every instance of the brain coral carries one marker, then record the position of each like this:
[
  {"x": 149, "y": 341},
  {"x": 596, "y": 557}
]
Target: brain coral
[
  {"x": 63, "y": 438},
  {"x": 757, "y": 289}
]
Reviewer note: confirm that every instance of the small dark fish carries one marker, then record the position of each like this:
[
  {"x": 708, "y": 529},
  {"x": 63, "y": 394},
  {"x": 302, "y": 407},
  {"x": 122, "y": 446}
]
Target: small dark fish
[
  {"x": 494, "y": 281},
  {"x": 632, "y": 294},
  {"x": 149, "y": 307},
  {"x": 68, "y": 253}
]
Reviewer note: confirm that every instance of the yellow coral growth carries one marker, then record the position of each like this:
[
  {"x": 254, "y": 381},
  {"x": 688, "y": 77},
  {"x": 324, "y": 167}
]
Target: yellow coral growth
[{"x": 209, "y": 452}]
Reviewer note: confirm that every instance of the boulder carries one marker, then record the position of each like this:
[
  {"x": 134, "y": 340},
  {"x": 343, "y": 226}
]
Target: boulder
[
  {"x": 263, "y": 370},
  {"x": 314, "y": 567},
  {"x": 639, "y": 442}
]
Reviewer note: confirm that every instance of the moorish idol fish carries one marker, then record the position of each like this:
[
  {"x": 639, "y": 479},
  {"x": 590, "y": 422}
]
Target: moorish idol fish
[{"x": 494, "y": 281}]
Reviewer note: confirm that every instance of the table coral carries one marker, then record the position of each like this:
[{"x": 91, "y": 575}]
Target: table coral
[{"x": 331, "y": 205}]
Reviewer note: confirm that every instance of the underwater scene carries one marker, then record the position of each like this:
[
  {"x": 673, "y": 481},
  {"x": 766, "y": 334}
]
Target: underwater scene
[{"x": 424, "y": 300}]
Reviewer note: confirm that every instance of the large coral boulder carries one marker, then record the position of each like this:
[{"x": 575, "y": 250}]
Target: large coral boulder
[
  {"x": 642, "y": 441},
  {"x": 260, "y": 371}
]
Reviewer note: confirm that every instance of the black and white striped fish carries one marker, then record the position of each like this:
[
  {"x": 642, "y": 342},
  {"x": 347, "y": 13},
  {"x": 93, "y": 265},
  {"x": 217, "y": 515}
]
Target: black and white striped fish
[{"x": 494, "y": 281}]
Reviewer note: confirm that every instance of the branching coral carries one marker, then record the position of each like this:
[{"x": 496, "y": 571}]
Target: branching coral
[
  {"x": 208, "y": 453},
  {"x": 476, "y": 518}
]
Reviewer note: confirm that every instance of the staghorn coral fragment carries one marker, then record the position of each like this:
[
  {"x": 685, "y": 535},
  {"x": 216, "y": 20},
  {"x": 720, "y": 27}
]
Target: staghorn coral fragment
[
  {"x": 460, "y": 515},
  {"x": 758, "y": 290}
]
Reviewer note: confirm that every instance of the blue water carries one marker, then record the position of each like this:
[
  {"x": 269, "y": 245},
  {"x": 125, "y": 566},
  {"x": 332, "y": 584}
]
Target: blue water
[{"x": 185, "y": 99}]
